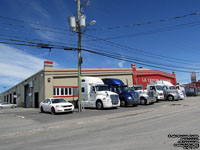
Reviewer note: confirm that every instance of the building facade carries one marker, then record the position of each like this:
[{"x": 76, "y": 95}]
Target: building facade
[{"x": 51, "y": 82}]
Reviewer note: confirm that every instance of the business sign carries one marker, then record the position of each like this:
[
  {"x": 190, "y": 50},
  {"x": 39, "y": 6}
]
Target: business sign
[{"x": 193, "y": 76}]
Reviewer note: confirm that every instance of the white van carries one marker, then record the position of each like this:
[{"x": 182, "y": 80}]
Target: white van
[{"x": 95, "y": 94}]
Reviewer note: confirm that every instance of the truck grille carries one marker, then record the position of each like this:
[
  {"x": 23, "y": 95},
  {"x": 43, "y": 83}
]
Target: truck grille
[
  {"x": 114, "y": 99},
  {"x": 151, "y": 93},
  {"x": 136, "y": 95}
]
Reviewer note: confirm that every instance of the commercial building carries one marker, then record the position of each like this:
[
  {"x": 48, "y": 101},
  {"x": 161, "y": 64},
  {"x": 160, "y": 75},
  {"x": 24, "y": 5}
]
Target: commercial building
[{"x": 51, "y": 82}]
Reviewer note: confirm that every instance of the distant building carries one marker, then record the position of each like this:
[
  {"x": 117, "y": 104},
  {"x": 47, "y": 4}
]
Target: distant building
[{"x": 51, "y": 82}]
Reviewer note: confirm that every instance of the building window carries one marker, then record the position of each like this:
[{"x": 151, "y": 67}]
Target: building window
[
  {"x": 54, "y": 91},
  {"x": 58, "y": 91},
  {"x": 63, "y": 91},
  {"x": 70, "y": 91},
  {"x": 66, "y": 91}
]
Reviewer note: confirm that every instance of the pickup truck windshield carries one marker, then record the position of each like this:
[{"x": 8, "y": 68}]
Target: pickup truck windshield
[{"x": 102, "y": 88}]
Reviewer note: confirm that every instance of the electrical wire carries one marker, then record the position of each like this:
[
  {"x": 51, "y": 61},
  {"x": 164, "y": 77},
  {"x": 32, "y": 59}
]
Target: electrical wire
[
  {"x": 33, "y": 28},
  {"x": 149, "y": 22},
  {"x": 171, "y": 28},
  {"x": 174, "y": 61},
  {"x": 130, "y": 49},
  {"x": 33, "y": 23},
  {"x": 104, "y": 54},
  {"x": 124, "y": 56},
  {"x": 98, "y": 39}
]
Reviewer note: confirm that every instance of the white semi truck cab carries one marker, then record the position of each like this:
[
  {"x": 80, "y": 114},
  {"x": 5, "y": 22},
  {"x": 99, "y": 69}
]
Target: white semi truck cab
[
  {"x": 158, "y": 91},
  {"x": 169, "y": 94},
  {"x": 95, "y": 94},
  {"x": 146, "y": 96}
]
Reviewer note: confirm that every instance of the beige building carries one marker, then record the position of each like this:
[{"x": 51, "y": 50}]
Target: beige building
[{"x": 51, "y": 82}]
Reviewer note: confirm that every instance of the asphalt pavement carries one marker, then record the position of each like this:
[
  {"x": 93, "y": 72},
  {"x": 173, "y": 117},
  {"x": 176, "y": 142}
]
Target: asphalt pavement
[{"x": 142, "y": 127}]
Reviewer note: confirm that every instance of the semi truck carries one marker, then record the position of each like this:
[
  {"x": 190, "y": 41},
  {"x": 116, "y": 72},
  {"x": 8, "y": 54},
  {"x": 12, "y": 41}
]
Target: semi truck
[
  {"x": 126, "y": 96},
  {"x": 95, "y": 94},
  {"x": 164, "y": 86},
  {"x": 146, "y": 96}
]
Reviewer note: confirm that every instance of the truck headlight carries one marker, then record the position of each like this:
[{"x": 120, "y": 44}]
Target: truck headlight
[
  {"x": 130, "y": 98},
  {"x": 105, "y": 99}
]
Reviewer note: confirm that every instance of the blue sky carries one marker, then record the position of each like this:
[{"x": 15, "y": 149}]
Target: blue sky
[{"x": 178, "y": 39}]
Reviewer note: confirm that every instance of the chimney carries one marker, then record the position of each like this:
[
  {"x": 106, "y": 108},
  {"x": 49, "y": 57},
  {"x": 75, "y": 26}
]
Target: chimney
[
  {"x": 133, "y": 67},
  {"x": 48, "y": 65},
  {"x": 174, "y": 74}
]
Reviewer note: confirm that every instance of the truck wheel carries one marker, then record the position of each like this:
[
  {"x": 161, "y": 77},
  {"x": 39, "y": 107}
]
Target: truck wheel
[
  {"x": 170, "y": 98},
  {"x": 143, "y": 101},
  {"x": 122, "y": 103},
  {"x": 99, "y": 105}
]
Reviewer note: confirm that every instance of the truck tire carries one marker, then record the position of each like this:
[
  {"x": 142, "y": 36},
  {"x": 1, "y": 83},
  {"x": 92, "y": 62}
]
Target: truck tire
[
  {"x": 99, "y": 105},
  {"x": 170, "y": 98},
  {"x": 122, "y": 103},
  {"x": 143, "y": 101}
]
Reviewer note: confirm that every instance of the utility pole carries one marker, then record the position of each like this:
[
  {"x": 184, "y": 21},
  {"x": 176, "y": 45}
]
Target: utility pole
[
  {"x": 79, "y": 57},
  {"x": 76, "y": 24}
]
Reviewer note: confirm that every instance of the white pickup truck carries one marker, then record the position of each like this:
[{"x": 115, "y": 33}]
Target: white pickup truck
[{"x": 95, "y": 94}]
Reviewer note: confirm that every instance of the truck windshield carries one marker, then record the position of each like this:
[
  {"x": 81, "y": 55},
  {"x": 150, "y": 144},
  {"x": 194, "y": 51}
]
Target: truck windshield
[
  {"x": 172, "y": 87},
  {"x": 102, "y": 88},
  {"x": 158, "y": 87},
  {"x": 123, "y": 88},
  {"x": 138, "y": 88}
]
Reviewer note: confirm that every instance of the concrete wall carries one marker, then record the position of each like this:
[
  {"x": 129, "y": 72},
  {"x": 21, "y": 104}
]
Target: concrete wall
[{"x": 34, "y": 84}]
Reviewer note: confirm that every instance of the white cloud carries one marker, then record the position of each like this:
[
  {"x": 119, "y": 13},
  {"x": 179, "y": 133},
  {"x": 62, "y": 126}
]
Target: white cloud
[
  {"x": 121, "y": 64},
  {"x": 16, "y": 65}
]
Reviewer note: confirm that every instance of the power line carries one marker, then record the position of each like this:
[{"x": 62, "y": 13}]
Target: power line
[
  {"x": 136, "y": 62},
  {"x": 171, "y": 28},
  {"x": 33, "y": 28},
  {"x": 143, "y": 60},
  {"x": 184, "y": 63},
  {"x": 124, "y": 56},
  {"x": 31, "y": 40},
  {"x": 98, "y": 39},
  {"x": 149, "y": 22},
  {"x": 138, "y": 59},
  {"x": 106, "y": 55},
  {"x": 33, "y": 23},
  {"x": 130, "y": 49}
]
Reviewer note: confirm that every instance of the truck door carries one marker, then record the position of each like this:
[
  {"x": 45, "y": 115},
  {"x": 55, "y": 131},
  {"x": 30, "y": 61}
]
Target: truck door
[
  {"x": 85, "y": 97},
  {"x": 92, "y": 97}
]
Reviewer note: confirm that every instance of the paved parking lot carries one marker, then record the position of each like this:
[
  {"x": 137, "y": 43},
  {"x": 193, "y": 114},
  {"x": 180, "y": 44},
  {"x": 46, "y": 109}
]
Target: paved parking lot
[
  {"x": 142, "y": 127},
  {"x": 44, "y": 118}
]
